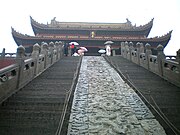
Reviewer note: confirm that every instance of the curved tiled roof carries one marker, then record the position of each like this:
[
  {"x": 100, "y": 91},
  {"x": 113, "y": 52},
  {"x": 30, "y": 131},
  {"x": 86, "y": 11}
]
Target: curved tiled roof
[
  {"x": 40, "y": 28},
  {"x": 25, "y": 39}
]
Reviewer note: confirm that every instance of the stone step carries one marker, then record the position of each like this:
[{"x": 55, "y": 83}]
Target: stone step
[{"x": 37, "y": 108}]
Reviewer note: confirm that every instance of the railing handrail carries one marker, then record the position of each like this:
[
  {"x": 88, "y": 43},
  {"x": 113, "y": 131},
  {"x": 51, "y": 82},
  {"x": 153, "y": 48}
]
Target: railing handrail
[
  {"x": 158, "y": 64},
  {"x": 27, "y": 68},
  {"x": 6, "y": 69}
]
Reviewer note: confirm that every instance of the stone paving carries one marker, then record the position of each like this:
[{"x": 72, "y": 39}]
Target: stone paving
[{"x": 105, "y": 105}]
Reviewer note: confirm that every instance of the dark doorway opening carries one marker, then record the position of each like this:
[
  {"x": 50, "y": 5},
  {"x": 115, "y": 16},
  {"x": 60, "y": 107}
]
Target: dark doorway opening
[{"x": 92, "y": 51}]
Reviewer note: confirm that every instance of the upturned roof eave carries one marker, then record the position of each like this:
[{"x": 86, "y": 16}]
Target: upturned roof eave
[
  {"x": 43, "y": 28},
  {"x": 20, "y": 38}
]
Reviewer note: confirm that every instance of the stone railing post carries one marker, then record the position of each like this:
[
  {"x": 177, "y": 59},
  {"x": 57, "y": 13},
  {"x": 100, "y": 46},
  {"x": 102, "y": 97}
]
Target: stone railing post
[
  {"x": 20, "y": 54},
  {"x": 178, "y": 59},
  {"x": 61, "y": 49},
  {"x": 141, "y": 48},
  {"x": 57, "y": 48},
  {"x": 131, "y": 48},
  {"x": 122, "y": 49},
  {"x": 20, "y": 57},
  {"x": 51, "y": 50},
  {"x": 126, "y": 49},
  {"x": 147, "y": 53},
  {"x": 3, "y": 54},
  {"x": 178, "y": 56},
  {"x": 113, "y": 52},
  {"x": 160, "y": 57},
  {"x": 44, "y": 51},
  {"x": 44, "y": 48},
  {"x": 35, "y": 55},
  {"x": 138, "y": 52},
  {"x": 36, "y": 50}
]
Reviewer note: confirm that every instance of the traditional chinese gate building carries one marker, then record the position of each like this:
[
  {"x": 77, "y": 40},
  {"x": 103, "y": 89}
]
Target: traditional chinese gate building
[{"x": 90, "y": 35}]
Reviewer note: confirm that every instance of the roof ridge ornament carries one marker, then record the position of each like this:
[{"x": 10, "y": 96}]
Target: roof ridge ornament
[
  {"x": 128, "y": 22},
  {"x": 53, "y": 22}
]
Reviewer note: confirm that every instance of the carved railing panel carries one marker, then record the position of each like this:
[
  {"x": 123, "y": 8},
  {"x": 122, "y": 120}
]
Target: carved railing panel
[
  {"x": 171, "y": 71},
  {"x": 8, "y": 80},
  {"x": 143, "y": 60},
  {"x": 18, "y": 75},
  {"x": 168, "y": 67}
]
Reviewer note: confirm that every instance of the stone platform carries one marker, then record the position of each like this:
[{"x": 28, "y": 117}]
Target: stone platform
[{"x": 105, "y": 105}]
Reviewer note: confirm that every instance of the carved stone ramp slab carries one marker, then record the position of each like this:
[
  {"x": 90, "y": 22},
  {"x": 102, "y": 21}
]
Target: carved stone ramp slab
[
  {"x": 161, "y": 94},
  {"x": 105, "y": 105}
]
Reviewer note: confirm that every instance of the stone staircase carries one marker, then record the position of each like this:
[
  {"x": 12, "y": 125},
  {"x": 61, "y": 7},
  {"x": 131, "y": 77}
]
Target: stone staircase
[
  {"x": 37, "y": 109},
  {"x": 162, "y": 95},
  {"x": 105, "y": 105}
]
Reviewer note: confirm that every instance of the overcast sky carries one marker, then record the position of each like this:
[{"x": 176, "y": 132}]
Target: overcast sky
[{"x": 16, "y": 14}]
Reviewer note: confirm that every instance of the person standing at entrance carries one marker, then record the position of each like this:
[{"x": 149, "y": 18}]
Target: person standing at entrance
[
  {"x": 108, "y": 50},
  {"x": 73, "y": 49},
  {"x": 66, "y": 49}
]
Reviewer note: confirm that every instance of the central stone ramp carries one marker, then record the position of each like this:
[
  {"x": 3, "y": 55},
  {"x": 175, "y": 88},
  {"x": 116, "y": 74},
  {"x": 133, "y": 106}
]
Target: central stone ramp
[{"x": 105, "y": 105}]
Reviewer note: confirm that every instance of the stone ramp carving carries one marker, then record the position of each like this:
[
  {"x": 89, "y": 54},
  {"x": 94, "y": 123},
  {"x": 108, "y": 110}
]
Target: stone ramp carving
[
  {"x": 158, "y": 92},
  {"x": 105, "y": 105}
]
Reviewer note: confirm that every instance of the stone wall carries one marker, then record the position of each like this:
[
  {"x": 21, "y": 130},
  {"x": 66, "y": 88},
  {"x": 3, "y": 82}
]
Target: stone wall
[
  {"x": 164, "y": 66},
  {"x": 17, "y": 75}
]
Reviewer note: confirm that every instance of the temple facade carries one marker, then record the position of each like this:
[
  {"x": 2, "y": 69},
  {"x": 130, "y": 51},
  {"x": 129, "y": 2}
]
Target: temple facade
[{"x": 90, "y": 35}]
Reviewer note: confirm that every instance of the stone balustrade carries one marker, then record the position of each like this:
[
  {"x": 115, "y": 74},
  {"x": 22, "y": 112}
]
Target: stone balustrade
[
  {"x": 17, "y": 75},
  {"x": 7, "y": 55},
  {"x": 4, "y": 54},
  {"x": 168, "y": 67},
  {"x": 171, "y": 71},
  {"x": 8, "y": 80}
]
